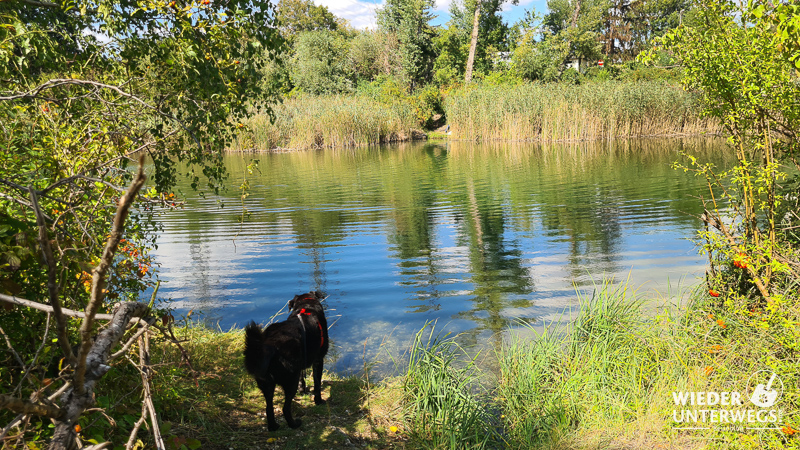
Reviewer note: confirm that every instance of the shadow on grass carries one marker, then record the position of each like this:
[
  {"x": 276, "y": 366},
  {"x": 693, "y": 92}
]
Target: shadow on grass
[{"x": 232, "y": 416}]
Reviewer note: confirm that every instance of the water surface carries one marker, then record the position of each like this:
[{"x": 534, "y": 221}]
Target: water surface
[{"x": 478, "y": 237}]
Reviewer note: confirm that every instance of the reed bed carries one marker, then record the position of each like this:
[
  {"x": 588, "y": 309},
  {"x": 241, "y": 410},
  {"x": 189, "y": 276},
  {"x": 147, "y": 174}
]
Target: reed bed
[
  {"x": 327, "y": 121},
  {"x": 560, "y": 112}
]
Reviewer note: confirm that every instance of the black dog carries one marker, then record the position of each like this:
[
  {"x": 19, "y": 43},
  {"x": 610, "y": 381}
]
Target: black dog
[{"x": 281, "y": 352}]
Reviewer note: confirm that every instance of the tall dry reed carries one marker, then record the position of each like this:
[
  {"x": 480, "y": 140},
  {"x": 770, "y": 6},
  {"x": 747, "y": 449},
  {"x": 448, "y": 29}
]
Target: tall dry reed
[
  {"x": 560, "y": 112},
  {"x": 327, "y": 121}
]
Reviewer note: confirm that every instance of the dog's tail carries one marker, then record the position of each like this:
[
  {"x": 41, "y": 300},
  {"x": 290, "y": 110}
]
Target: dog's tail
[{"x": 256, "y": 355}]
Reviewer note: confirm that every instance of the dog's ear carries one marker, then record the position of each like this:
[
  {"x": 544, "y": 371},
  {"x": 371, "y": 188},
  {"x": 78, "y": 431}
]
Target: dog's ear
[{"x": 319, "y": 294}]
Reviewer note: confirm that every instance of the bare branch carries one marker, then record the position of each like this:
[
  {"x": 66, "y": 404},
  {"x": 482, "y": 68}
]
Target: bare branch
[
  {"x": 52, "y": 285},
  {"x": 36, "y": 356},
  {"x": 11, "y": 425},
  {"x": 25, "y": 407},
  {"x": 144, "y": 360},
  {"x": 11, "y": 347},
  {"x": 135, "y": 431},
  {"x": 15, "y": 199},
  {"x": 127, "y": 345},
  {"x": 99, "y": 281},
  {"x": 49, "y": 309}
]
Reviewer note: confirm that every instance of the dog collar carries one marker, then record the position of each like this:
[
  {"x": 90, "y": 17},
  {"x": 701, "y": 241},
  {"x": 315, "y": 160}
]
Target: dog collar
[{"x": 303, "y": 312}]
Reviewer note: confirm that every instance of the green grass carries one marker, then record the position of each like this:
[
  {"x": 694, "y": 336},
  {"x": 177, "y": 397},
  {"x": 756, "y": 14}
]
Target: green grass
[
  {"x": 442, "y": 409},
  {"x": 607, "y": 378}
]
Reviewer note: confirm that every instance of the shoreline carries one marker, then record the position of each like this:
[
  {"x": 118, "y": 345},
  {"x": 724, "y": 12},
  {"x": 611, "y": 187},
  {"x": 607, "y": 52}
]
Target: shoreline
[
  {"x": 613, "y": 353},
  {"x": 438, "y": 139}
]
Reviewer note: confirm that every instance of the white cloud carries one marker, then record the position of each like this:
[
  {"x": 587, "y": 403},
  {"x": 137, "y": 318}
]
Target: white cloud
[
  {"x": 442, "y": 6},
  {"x": 360, "y": 13}
]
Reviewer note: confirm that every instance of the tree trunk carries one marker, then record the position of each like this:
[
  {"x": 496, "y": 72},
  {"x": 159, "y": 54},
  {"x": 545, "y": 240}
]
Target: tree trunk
[
  {"x": 576, "y": 13},
  {"x": 474, "y": 43}
]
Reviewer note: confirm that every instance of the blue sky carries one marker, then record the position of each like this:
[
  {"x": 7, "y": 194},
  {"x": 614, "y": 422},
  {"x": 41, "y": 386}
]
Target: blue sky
[{"x": 361, "y": 13}]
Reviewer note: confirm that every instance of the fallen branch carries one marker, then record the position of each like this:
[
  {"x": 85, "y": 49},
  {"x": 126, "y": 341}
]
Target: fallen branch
[{"x": 144, "y": 360}]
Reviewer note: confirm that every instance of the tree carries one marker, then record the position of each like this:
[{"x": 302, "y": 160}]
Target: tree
[
  {"x": 484, "y": 15},
  {"x": 373, "y": 53},
  {"x": 297, "y": 16},
  {"x": 630, "y": 25},
  {"x": 742, "y": 61},
  {"x": 473, "y": 42},
  {"x": 409, "y": 21},
  {"x": 86, "y": 87},
  {"x": 320, "y": 63}
]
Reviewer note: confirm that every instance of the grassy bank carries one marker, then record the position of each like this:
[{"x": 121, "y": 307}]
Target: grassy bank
[
  {"x": 327, "y": 121},
  {"x": 604, "y": 380},
  {"x": 564, "y": 112}
]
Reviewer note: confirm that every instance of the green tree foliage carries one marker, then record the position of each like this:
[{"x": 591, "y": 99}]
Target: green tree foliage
[
  {"x": 85, "y": 86},
  {"x": 589, "y": 30},
  {"x": 452, "y": 47},
  {"x": 539, "y": 60},
  {"x": 373, "y": 54},
  {"x": 320, "y": 63},
  {"x": 742, "y": 61},
  {"x": 629, "y": 26},
  {"x": 408, "y": 20},
  {"x": 297, "y": 16}
]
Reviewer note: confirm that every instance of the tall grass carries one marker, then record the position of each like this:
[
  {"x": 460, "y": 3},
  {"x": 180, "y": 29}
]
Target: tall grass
[
  {"x": 598, "y": 374},
  {"x": 560, "y": 112},
  {"x": 327, "y": 121},
  {"x": 441, "y": 408},
  {"x": 607, "y": 378}
]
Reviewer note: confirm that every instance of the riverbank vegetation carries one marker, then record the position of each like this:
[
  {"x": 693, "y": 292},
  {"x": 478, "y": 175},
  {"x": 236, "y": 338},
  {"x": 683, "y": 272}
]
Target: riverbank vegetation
[
  {"x": 567, "y": 112},
  {"x": 87, "y": 90},
  {"x": 569, "y": 74},
  {"x": 542, "y": 112},
  {"x": 327, "y": 121}
]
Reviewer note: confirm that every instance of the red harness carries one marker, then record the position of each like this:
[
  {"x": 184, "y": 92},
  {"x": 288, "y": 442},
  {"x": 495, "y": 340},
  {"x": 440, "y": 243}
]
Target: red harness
[{"x": 303, "y": 312}]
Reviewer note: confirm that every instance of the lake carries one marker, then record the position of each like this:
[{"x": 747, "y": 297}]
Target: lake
[{"x": 479, "y": 237}]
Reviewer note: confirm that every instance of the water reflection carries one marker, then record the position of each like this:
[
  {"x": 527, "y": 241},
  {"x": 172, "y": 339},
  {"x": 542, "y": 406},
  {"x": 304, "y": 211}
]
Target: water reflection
[{"x": 476, "y": 236}]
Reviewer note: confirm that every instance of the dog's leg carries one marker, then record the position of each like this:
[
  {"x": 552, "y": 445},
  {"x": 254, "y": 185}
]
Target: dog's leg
[
  {"x": 268, "y": 389},
  {"x": 318, "y": 382},
  {"x": 303, "y": 389},
  {"x": 289, "y": 391}
]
